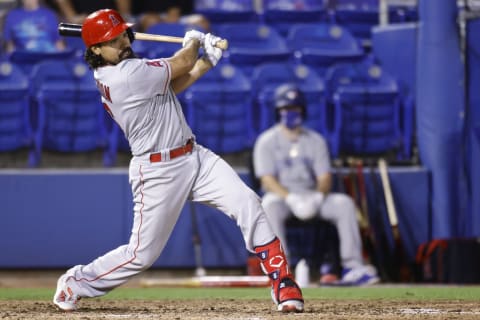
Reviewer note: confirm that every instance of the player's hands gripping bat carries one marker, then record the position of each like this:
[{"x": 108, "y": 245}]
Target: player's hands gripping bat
[
  {"x": 212, "y": 53},
  {"x": 75, "y": 30},
  {"x": 193, "y": 34}
]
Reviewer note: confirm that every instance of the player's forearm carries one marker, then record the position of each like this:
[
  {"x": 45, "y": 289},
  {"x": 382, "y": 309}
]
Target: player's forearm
[
  {"x": 270, "y": 184},
  {"x": 324, "y": 183},
  {"x": 183, "y": 61},
  {"x": 185, "y": 81}
]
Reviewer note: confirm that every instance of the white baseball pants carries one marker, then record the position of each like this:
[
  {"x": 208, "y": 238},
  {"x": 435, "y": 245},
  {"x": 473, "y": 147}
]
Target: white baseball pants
[{"x": 159, "y": 193}]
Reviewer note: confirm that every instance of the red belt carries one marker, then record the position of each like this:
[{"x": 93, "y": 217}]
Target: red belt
[{"x": 174, "y": 153}]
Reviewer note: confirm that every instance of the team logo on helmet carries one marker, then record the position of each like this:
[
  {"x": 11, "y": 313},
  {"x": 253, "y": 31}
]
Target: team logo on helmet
[{"x": 114, "y": 20}]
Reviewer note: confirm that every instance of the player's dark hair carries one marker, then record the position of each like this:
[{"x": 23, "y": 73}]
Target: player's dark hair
[{"x": 93, "y": 60}]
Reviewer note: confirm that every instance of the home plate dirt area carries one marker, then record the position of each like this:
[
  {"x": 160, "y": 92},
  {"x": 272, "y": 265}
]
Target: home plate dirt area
[
  {"x": 164, "y": 304},
  {"x": 240, "y": 310}
]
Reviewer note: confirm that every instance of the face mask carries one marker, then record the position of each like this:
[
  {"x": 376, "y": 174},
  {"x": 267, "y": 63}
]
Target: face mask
[{"x": 291, "y": 118}]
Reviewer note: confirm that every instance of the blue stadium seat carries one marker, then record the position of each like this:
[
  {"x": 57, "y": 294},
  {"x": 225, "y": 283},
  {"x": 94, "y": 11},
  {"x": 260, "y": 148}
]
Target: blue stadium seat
[
  {"x": 15, "y": 126},
  {"x": 370, "y": 115},
  {"x": 323, "y": 44},
  {"x": 266, "y": 77},
  {"x": 253, "y": 43},
  {"x": 358, "y": 16},
  {"x": 219, "y": 109},
  {"x": 226, "y": 11},
  {"x": 282, "y": 15},
  {"x": 70, "y": 114},
  {"x": 28, "y": 59},
  {"x": 154, "y": 49},
  {"x": 76, "y": 44}
]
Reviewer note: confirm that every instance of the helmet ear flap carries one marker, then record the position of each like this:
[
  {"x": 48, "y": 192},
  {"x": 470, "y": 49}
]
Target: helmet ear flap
[{"x": 131, "y": 35}]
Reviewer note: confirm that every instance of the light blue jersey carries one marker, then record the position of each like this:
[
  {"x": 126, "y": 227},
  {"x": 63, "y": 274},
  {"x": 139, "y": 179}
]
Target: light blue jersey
[{"x": 295, "y": 164}]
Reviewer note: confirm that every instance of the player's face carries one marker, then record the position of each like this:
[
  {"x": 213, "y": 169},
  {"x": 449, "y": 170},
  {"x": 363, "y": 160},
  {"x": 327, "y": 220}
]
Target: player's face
[{"x": 115, "y": 50}]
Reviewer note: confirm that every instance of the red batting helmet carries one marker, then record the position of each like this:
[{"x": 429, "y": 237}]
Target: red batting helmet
[{"x": 103, "y": 25}]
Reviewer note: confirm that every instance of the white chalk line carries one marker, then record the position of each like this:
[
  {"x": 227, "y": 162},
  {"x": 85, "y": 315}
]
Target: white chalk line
[{"x": 435, "y": 311}]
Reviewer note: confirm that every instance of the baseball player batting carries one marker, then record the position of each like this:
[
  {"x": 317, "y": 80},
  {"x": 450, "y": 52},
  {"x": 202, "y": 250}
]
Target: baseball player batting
[{"x": 168, "y": 166}]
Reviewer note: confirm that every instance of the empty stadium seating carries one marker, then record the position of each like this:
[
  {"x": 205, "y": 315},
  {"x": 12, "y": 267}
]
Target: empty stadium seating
[
  {"x": 358, "y": 16},
  {"x": 70, "y": 114},
  {"x": 154, "y": 49},
  {"x": 370, "y": 116},
  {"x": 226, "y": 11},
  {"x": 28, "y": 59},
  {"x": 15, "y": 122},
  {"x": 218, "y": 109},
  {"x": 322, "y": 45},
  {"x": 253, "y": 43},
  {"x": 282, "y": 15},
  {"x": 76, "y": 44}
]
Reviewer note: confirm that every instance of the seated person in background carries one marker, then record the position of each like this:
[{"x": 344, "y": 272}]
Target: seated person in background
[
  {"x": 75, "y": 11},
  {"x": 167, "y": 11},
  {"x": 32, "y": 27},
  {"x": 293, "y": 165}
]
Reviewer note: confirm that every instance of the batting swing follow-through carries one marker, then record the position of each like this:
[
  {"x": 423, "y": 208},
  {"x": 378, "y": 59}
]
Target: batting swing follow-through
[{"x": 168, "y": 167}]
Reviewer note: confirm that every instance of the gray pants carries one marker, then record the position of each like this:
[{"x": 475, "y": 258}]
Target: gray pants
[{"x": 336, "y": 208}]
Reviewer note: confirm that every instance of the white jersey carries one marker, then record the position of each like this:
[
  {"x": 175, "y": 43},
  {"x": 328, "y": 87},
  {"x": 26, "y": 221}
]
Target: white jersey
[
  {"x": 295, "y": 164},
  {"x": 136, "y": 93}
]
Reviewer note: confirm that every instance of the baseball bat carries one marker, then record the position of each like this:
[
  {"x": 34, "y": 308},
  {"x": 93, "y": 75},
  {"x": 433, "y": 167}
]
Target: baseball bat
[
  {"x": 208, "y": 282},
  {"x": 403, "y": 268},
  {"x": 75, "y": 30},
  {"x": 392, "y": 212}
]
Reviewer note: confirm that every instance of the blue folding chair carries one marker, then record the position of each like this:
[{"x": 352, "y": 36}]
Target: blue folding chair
[
  {"x": 218, "y": 109},
  {"x": 15, "y": 126},
  {"x": 268, "y": 76},
  {"x": 253, "y": 43},
  {"x": 70, "y": 117},
  {"x": 322, "y": 45}
]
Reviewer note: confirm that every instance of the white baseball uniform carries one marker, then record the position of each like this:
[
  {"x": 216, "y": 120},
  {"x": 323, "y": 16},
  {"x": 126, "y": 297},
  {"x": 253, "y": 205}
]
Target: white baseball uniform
[
  {"x": 295, "y": 165},
  {"x": 137, "y": 93}
]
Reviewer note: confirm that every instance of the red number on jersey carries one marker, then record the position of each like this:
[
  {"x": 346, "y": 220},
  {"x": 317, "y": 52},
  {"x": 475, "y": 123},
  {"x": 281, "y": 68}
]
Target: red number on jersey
[{"x": 156, "y": 63}]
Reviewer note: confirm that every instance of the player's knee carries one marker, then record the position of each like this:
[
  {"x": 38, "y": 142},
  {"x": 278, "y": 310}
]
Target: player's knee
[
  {"x": 342, "y": 200},
  {"x": 343, "y": 205},
  {"x": 143, "y": 260}
]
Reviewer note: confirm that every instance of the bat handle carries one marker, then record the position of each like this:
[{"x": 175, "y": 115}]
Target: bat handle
[
  {"x": 69, "y": 29},
  {"x": 222, "y": 44}
]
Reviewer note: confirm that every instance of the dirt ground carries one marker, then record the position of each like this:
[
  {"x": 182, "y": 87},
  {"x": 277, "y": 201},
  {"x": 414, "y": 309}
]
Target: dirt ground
[
  {"x": 240, "y": 310},
  {"x": 222, "y": 308}
]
